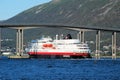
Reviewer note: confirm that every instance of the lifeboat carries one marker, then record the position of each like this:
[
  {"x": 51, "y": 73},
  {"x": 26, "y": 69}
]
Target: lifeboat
[{"x": 48, "y": 45}]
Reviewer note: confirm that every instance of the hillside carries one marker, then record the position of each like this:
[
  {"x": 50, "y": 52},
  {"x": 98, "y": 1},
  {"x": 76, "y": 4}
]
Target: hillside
[
  {"x": 99, "y": 13},
  {"x": 81, "y": 12}
]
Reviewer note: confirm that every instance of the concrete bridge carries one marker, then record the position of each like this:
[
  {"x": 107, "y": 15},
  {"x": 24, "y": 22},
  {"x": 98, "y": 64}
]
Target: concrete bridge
[{"x": 20, "y": 28}]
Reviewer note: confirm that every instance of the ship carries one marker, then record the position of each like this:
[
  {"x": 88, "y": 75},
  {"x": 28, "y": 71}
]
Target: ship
[{"x": 46, "y": 47}]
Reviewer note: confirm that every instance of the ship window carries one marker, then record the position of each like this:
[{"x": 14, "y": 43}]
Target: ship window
[
  {"x": 85, "y": 45},
  {"x": 59, "y": 44},
  {"x": 43, "y": 41},
  {"x": 76, "y": 43},
  {"x": 79, "y": 45}
]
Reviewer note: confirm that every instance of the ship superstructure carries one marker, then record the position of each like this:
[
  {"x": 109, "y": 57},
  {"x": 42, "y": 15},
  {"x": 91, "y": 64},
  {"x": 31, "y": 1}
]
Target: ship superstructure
[{"x": 58, "y": 48}]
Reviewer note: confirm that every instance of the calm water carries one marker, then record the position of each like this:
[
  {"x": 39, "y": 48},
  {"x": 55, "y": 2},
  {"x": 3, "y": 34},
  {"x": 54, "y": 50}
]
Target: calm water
[{"x": 56, "y": 69}]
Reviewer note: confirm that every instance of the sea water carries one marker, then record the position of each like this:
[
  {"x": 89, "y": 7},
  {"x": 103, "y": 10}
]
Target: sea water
[{"x": 59, "y": 69}]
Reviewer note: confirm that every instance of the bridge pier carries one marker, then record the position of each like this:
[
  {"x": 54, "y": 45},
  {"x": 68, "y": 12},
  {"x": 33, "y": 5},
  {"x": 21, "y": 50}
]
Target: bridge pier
[
  {"x": 0, "y": 39},
  {"x": 19, "y": 42},
  {"x": 114, "y": 45},
  {"x": 82, "y": 36},
  {"x": 97, "y": 54}
]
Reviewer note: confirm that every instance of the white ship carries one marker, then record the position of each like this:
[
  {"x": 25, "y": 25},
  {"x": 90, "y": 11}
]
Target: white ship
[{"x": 47, "y": 47}]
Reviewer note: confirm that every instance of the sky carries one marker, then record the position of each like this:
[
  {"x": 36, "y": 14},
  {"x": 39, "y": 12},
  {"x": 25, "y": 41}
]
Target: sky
[{"x": 10, "y": 8}]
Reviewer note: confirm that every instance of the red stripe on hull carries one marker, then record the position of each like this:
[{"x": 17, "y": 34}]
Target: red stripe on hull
[{"x": 58, "y": 53}]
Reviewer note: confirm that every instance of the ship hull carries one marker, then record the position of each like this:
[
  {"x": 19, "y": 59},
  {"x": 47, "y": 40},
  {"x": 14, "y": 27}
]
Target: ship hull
[{"x": 60, "y": 54}]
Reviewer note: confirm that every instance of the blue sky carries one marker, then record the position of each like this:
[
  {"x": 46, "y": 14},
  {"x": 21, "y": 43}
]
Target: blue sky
[{"x": 10, "y": 8}]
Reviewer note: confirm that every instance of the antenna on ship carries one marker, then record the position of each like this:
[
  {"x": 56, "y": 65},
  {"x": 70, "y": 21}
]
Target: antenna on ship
[
  {"x": 61, "y": 37},
  {"x": 57, "y": 37}
]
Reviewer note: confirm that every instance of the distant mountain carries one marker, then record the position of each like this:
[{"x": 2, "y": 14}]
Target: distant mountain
[
  {"x": 2, "y": 21},
  {"x": 79, "y": 12},
  {"x": 99, "y": 13}
]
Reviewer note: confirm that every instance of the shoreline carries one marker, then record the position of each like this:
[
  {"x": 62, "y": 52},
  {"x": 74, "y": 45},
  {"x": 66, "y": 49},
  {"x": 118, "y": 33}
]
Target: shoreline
[{"x": 27, "y": 57}]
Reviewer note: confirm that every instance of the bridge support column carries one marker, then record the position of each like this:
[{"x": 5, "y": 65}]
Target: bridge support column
[
  {"x": 17, "y": 49},
  {"x": 114, "y": 45},
  {"x": 81, "y": 36},
  {"x": 97, "y": 54},
  {"x": 19, "y": 42},
  {"x": 0, "y": 40}
]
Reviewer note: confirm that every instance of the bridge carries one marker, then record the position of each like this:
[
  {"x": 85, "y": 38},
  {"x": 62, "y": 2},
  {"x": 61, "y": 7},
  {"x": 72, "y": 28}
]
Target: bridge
[{"x": 20, "y": 28}]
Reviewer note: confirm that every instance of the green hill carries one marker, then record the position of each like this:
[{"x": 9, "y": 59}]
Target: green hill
[
  {"x": 99, "y": 13},
  {"x": 81, "y": 12}
]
